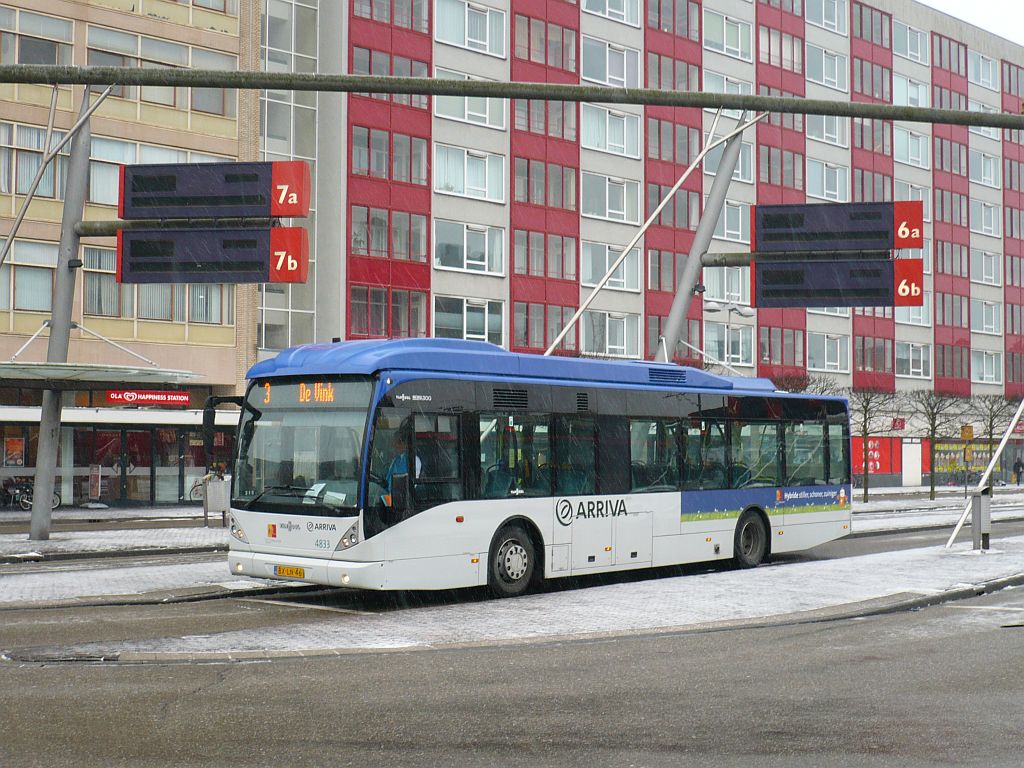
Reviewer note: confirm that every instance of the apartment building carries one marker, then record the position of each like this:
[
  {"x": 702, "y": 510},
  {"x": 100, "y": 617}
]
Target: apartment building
[{"x": 145, "y": 455}]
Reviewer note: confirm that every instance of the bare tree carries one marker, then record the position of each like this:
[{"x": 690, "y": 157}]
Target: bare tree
[
  {"x": 807, "y": 382},
  {"x": 993, "y": 413},
  {"x": 940, "y": 414},
  {"x": 871, "y": 413}
]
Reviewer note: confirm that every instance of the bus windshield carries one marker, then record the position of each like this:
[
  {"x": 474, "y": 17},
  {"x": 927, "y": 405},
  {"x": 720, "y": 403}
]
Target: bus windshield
[{"x": 300, "y": 445}]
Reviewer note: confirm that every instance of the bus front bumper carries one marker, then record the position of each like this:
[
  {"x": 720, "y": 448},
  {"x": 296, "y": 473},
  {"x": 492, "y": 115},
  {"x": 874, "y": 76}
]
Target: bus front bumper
[{"x": 332, "y": 573}]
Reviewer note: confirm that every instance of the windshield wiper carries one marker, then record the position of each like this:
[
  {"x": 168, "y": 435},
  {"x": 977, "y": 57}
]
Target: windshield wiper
[{"x": 289, "y": 490}]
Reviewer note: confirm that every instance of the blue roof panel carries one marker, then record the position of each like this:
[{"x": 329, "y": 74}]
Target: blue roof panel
[{"x": 482, "y": 358}]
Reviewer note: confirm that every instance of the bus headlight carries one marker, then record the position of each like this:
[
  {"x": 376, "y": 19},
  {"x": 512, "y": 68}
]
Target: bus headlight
[
  {"x": 350, "y": 538},
  {"x": 236, "y": 530}
]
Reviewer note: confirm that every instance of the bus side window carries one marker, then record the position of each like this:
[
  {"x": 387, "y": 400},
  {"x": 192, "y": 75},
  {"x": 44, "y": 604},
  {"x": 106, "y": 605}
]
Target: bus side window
[
  {"x": 574, "y": 456},
  {"x": 612, "y": 448},
  {"x": 653, "y": 454},
  {"x": 515, "y": 455},
  {"x": 805, "y": 453},
  {"x": 436, "y": 445},
  {"x": 755, "y": 455},
  {"x": 838, "y": 464},
  {"x": 705, "y": 467}
]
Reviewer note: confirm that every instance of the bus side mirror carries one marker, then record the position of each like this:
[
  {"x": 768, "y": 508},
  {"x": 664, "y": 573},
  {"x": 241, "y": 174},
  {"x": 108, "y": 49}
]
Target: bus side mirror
[
  {"x": 209, "y": 416},
  {"x": 401, "y": 493}
]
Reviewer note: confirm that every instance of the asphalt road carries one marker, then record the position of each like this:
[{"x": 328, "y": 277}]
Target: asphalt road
[
  {"x": 936, "y": 686},
  {"x": 933, "y": 687}
]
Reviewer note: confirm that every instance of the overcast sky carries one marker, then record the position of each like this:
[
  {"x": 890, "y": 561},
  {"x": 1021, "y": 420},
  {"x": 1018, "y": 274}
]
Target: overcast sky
[{"x": 1002, "y": 17}]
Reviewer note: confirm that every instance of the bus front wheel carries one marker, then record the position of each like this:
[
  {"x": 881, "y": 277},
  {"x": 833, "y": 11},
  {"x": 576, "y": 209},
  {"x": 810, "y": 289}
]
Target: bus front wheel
[
  {"x": 750, "y": 548},
  {"x": 512, "y": 562}
]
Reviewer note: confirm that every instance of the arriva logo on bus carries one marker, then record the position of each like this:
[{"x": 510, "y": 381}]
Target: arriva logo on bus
[{"x": 566, "y": 511}]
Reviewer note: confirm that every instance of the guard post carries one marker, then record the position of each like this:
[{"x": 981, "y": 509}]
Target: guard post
[{"x": 981, "y": 516}]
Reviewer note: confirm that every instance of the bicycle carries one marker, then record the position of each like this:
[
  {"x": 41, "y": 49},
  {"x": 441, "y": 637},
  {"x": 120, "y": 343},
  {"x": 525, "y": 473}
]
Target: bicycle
[
  {"x": 21, "y": 494},
  {"x": 195, "y": 493}
]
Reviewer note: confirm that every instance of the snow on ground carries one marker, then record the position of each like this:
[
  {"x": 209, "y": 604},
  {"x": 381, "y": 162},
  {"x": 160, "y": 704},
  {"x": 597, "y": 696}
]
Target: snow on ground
[
  {"x": 626, "y": 606},
  {"x": 650, "y": 605}
]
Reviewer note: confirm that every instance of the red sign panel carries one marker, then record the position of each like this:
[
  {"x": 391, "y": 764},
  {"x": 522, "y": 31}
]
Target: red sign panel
[
  {"x": 147, "y": 397},
  {"x": 289, "y": 255},
  {"x": 290, "y": 188},
  {"x": 885, "y": 455},
  {"x": 908, "y": 224},
  {"x": 909, "y": 280},
  {"x": 899, "y": 423}
]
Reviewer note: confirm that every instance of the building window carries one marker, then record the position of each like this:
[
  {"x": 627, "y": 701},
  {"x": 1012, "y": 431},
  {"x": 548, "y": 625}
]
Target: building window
[
  {"x": 469, "y": 173},
  {"x": 555, "y": 119},
  {"x": 730, "y": 344},
  {"x": 31, "y": 38},
  {"x": 983, "y": 71},
  {"x": 671, "y": 142},
  {"x": 475, "y": 319},
  {"x": 916, "y": 315},
  {"x": 734, "y": 223},
  {"x": 540, "y": 183},
  {"x": 727, "y": 284},
  {"x": 781, "y": 346},
  {"x": 27, "y": 278},
  {"x": 830, "y": 129},
  {"x": 609, "y": 64},
  {"x": 371, "y": 235},
  {"x": 913, "y": 360},
  {"x": 907, "y": 191},
  {"x": 727, "y": 35},
  {"x": 984, "y": 168},
  {"x": 986, "y": 316},
  {"x": 830, "y": 14},
  {"x": 872, "y": 354},
  {"x": 909, "y": 93},
  {"x": 910, "y": 148},
  {"x": 407, "y": 14},
  {"x": 780, "y": 49},
  {"x": 909, "y": 43},
  {"x": 717, "y": 83},
  {"x": 103, "y": 296},
  {"x": 984, "y": 218},
  {"x": 605, "y": 197},
  {"x": 605, "y": 130},
  {"x": 557, "y": 260},
  {"x": 744, "y": 170},
  {"x": 470, "y": 26},
  {"x": 977, "y": 106},
  {"x": 545, "y": 43},
  {"x": 985, "y": 267},
  {"x": 676, "y": 17},
  {"x": 626, "y": 11},
  {"x": 612, "y": 334},
  {"x": 827, "y": 181},
  {"x": 381, "y": 63},
  {"x": 470, "y": 247},
  {"x": 682, "y": 212},
  {"x": 828, "y": 352},
  {"x": 596, "y": 258},
  {"x": 986, "y": 367},
  {"x": 536, "y": 326},
  {"x": 826, "y": 68}
]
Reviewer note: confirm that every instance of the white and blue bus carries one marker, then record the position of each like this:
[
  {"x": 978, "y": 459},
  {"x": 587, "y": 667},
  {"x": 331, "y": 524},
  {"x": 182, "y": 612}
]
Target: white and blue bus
[{"x": 437, "y": 464}]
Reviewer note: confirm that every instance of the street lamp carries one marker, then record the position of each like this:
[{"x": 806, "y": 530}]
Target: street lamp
[{"x": 729, "y": 308}]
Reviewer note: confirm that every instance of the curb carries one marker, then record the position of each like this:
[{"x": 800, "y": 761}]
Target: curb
[{"x": 47, "y": 557}]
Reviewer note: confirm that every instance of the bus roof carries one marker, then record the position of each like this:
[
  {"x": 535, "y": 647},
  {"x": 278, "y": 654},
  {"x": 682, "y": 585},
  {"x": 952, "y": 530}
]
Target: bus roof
[{"x": 478, "y": 358}]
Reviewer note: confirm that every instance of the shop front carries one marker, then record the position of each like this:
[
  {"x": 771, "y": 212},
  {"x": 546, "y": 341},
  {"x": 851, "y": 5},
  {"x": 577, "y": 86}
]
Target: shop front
[{"x": 119, "y": 457}]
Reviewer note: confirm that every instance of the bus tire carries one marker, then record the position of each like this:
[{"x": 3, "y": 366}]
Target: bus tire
[
  {"x": 512, "y": 562},
  {"x": 750, "y": 546}
]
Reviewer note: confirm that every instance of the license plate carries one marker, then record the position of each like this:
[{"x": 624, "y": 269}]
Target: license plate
[{"x": 290, "y": 571}]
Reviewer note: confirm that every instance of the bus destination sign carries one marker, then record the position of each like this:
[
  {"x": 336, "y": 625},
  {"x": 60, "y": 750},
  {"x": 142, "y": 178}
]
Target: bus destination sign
[{"x": 816, "y": 231}]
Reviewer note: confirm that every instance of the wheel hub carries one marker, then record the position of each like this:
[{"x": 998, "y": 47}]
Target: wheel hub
[{"x": 513, "y": 560}]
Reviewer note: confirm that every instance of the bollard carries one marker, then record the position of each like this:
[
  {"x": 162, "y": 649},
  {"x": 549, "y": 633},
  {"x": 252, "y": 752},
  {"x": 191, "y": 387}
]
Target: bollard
[{"x": 981, "y": 517}]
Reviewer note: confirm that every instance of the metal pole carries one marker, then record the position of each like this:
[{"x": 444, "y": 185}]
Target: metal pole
[
  {"x": 705, "y": 232},
  {"x": 988, "y": 471},
  {"x": 207, "y": 78},
  {"x": 60, "y": 326}
]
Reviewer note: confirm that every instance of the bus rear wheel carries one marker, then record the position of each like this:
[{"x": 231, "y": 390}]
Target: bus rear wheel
[
  {"x": 511, "y": 563},
  {"x": 750, "y": 547}
]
